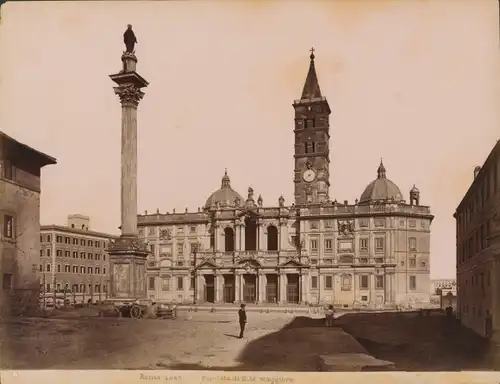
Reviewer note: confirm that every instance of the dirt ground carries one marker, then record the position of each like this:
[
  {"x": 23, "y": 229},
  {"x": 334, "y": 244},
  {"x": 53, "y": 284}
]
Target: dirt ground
[
  {"x": 192, "y": 341},
  {"x": 273, "y": 342}
]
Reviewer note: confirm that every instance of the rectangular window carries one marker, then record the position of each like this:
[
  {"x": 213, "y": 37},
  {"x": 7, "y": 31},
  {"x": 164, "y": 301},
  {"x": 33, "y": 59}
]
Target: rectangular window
[
  {"x": 82, "y": 255},
  {"x": 104, "y": 271},
  {"x": 90, "y": 271},
  {"x": 98, "y": 256},
  {"x": 75, "y": 241},
  {"x": 379, "y": 282},
  {"x": 328, "y": 282},
  {"x": 314, "y": 282},
  {"x": 180, "y": 283},
  {"x": 380, "y": 222},
  {"x": 47, "y": 267},
  {"x": 412, "y": 223},
  {"x": 97, "y": 270},
  {"x": 75, "y": 255},
  {"x": 90, "y": 256},
  {"x": 59, "y": 239},
  {"x": 192, "y": 229},
  {"x": 82, "y": 242},
  {"x": 97, "y": 244},
  {"x": 7, "y": 281},
  {"x": 328, "y": 224},
  {"x": 363, "y": 245},
  {"x": 48, "y": 238},
  {"x": 379, "y": 244},
  {"x": 309, "y": 123},
  {"x": 314, "y": 224},
  {"x": 67, "y": 240},
  {"x": 151, "y": 285},
  {"x": 413, "y": 282},
  {"x": 191, "y": 283},
  {"x": 363, "y": 282},
  {"x": 180, "y": 249},
  {"x": 82, "y": 269},
  {"x": 75, "y": 269},
  {"x": 90, "y": 243},
  {"x": 58, "y": 252},
  {"x": 412, "y": 243},
  {"x": 58, "y": 268},
  {"x": 8, "y": 226},
  {"x": 66, "y": 254},
  {"x": 328, "y": 244},
  {"x": 363, "y": 223},
  {"x": 152, "y": 249},
  {"x": 413, "y": 262},
  {"x": 314, "y": 245}
]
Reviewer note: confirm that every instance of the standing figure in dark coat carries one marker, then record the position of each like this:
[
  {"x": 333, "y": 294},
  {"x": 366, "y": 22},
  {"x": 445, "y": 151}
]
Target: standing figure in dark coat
[
  {"x": 129, "y": 39},
  {"x": 243, "y": 319}
]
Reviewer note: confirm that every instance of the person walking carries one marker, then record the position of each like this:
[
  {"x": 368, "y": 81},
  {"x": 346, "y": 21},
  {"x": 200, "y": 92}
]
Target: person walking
[{"x": 242, "y": 315}]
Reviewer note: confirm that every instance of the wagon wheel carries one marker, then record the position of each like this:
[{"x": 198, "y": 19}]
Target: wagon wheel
[{"x": 135, "y": 312}]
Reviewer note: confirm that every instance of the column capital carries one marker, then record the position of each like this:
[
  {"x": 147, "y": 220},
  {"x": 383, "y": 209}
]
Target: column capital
[{"x": 129, "y": 95}]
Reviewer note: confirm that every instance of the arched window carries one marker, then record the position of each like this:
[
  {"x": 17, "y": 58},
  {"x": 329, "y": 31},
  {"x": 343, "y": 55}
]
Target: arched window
[
  {"x": 229, "y": 239},
  {"x": 272, "y": 238}
]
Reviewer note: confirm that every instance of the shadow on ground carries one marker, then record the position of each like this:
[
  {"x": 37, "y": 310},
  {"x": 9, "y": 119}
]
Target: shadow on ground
[
  {"x": 412, "y": 342},
  {"x": 418, "y": 343}
]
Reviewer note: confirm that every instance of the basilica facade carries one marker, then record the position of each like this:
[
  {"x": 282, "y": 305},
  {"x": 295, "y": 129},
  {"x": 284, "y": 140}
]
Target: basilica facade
[{"x": 374, "y": 252}]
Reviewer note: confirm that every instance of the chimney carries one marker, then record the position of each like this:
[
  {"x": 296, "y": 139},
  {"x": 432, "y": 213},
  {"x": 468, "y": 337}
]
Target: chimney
[{"x": 476, "y": 171}]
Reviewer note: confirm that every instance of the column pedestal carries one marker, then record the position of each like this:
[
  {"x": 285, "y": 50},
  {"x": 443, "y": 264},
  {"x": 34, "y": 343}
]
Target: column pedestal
[{"x": 127, "y": 258}]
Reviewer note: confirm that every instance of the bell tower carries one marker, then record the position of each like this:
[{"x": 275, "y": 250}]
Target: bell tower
[{"x": 312, "y": 153}]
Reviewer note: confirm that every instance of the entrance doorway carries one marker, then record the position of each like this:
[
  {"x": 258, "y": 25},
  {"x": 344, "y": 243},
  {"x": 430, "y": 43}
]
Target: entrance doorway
[
  {"x": 292, "y": 289},
  {"x": 209, "y": 288},
  {"x": 272, "y": 288},
  {"x": 249, "y": 288},
  {"x": 228, "y": 289}
]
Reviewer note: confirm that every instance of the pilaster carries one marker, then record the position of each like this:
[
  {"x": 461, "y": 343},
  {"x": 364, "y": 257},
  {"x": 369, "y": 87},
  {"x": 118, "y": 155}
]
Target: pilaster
[{"x": 242, "y": 236}]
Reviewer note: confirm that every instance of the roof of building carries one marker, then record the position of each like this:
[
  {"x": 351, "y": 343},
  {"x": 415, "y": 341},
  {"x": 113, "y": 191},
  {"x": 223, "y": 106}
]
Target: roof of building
[
  {"x": 40, "y": 158},
  {"x": 311, "y": 88},
  {"x": 494, "y": 154},
  {"x": 381, "y": 189},
  {"x": 76, "y": 231},
  {"x": 225, "y": 196}
]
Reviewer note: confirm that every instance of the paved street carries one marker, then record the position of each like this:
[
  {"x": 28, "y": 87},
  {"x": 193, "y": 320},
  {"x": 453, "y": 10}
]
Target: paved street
[{"x": 273, "y": 342}]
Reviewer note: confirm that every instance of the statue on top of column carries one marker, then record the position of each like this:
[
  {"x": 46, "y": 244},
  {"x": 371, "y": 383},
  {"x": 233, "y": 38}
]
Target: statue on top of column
[{"x": 129, "y": 39}]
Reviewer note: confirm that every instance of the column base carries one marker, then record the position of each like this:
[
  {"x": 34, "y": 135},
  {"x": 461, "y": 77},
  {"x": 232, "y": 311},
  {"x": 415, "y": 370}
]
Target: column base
[{"x": 127, "y": 259}]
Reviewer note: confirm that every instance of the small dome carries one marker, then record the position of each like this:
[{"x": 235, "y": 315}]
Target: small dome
[
  {"x": 381, "y": 189},
  {"x": 225, "y": 196}
]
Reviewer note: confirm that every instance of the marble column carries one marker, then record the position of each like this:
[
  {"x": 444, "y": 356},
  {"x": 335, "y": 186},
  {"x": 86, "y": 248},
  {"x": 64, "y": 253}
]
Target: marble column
[
  {"x": 127, "y": 254},
  {"x": 373, "y": 295},
  {"x": 219, "y": 280},
  {"x": 304, "y": 287},
  {"x": 282, "y": 290},
  {"x": 237, "y": 245},
  {"x": 242, "y": 237},
  {"x": 262, "y": 287},
  {"x": 237, "y": 297}
]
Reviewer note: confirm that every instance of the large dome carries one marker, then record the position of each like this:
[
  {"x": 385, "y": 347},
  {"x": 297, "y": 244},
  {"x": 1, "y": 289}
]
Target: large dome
[
  {"x": 381, "y": 189},
  {"x": 225, "y": 196}
]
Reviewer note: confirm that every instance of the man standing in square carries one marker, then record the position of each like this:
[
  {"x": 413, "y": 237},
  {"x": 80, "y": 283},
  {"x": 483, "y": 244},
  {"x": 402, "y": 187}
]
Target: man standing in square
[{"x": 243, "y": 319}]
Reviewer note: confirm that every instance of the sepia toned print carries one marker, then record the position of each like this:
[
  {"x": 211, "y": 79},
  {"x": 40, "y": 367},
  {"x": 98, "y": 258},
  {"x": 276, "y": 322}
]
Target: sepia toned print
[{"x": 265, "y": 268}]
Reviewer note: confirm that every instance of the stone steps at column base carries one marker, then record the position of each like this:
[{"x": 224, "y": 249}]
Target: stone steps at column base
[{"x": 353, "y": 362}]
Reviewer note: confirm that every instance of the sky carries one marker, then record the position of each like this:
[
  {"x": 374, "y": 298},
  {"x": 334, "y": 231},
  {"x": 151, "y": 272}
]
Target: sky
[{"x": 414, "y": 82}]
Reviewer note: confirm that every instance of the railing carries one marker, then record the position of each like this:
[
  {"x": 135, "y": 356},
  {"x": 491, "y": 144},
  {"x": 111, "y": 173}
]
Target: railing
[{"x": 365, "y": 209}]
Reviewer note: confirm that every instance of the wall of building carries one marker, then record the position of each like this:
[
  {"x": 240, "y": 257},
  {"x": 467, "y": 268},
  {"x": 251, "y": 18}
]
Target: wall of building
[
  {"x": 20, "y": 255},
  {"x": 397, "y": 272},
  {"x": 477, "y": 247},
  {"x": 75, "y": 260}
]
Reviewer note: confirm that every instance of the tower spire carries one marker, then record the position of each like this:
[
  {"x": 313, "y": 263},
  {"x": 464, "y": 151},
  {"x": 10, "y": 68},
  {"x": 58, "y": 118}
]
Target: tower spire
[{"x": 311, "y": 88}]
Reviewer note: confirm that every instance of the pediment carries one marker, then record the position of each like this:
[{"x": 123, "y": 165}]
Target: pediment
[
  {"x": 249, "y": 212},
  {"x": 206, "y": 264},
  {"x": 247, "y": 261},
  {"x": 292, "y": 263}
]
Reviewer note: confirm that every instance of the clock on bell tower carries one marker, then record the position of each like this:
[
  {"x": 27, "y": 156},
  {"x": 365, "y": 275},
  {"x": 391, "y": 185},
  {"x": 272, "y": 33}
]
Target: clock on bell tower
[{"x": 312, "y": 153}]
